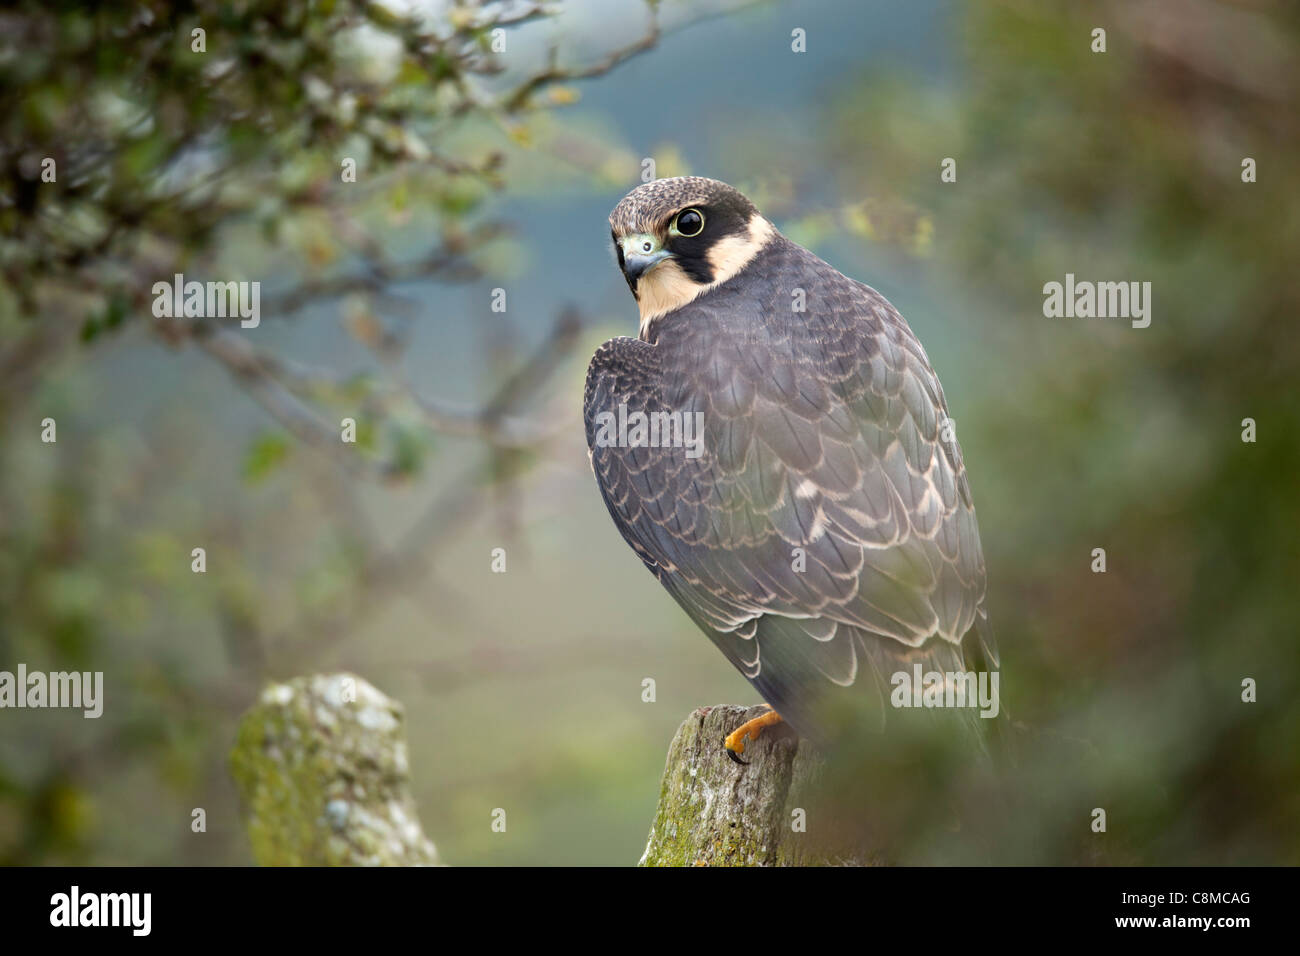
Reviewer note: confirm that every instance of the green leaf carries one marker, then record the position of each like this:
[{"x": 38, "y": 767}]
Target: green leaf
[{"x": 267, "y": 453}]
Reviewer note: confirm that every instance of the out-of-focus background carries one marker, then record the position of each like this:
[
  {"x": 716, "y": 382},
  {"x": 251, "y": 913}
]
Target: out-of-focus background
[{"x": 489, "y": 161}]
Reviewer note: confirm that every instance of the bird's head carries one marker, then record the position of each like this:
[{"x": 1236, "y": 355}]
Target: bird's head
[{"x": 676, "y": 238}]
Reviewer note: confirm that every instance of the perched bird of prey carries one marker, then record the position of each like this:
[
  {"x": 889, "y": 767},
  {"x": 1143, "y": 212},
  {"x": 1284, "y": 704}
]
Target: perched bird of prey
[{"x": 820, "y": 529}]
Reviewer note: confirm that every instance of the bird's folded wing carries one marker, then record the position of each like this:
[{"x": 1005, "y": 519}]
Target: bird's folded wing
[{"x": 828, "y": 510}]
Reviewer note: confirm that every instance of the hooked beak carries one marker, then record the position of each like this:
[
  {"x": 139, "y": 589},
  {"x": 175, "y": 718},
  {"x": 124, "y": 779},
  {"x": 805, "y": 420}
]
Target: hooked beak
[
  {"x": 636, "y": 266},
  {"x": 641, "y": 253}
]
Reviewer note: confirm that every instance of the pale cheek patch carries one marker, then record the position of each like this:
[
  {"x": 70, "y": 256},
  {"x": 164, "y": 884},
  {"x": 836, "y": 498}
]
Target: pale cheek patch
[
  {"x": 728, "y": 256},
  {"x": 664, "y": 288},
  {"x": 667, "y": 287}
]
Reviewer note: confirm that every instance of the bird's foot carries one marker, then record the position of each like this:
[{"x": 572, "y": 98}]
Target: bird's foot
[{"x": 734, "y": 742}]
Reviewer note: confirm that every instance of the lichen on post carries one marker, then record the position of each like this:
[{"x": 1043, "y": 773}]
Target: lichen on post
[
  {"x": 714, "y": 812},
  {"x": 322, "y": 771}
]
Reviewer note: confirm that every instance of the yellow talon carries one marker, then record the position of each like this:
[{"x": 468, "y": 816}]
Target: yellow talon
[{"x": 735, "y": 741}]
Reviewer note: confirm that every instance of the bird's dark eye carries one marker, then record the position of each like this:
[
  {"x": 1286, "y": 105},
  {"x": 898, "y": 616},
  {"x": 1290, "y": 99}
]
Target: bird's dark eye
[{"x": 690, "y": 222}]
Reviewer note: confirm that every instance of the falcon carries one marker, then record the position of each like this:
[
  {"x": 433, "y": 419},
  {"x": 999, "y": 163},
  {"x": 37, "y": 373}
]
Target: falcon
[{"x": 820, "y": 529}]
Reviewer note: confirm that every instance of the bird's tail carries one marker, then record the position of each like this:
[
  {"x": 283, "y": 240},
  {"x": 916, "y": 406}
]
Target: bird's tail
[{"x": 943, "y": 690}]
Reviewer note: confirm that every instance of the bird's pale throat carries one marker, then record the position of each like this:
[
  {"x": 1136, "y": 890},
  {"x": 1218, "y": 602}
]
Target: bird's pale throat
[{"x": 667, "y": 286}]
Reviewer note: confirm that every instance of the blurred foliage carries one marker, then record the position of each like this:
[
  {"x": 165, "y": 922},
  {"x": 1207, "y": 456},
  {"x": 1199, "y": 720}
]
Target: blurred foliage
[
  {"x": 1087, "y": 433},
  {"x": 219, "y": 140},
  {"x": 146, "y": 108},
  {"x": 1078, "y": 433}
]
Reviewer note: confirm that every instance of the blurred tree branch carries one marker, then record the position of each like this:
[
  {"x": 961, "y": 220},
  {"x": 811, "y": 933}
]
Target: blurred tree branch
[
  {"x": 162, "y": 153},
  {"x": 225, "y": 160}
]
